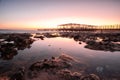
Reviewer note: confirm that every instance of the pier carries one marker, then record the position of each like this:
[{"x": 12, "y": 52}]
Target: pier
[{"x": 84, "y": 27}]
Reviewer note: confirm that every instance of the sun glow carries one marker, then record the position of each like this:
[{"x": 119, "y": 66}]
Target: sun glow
[{"x": 55, "y": 22}]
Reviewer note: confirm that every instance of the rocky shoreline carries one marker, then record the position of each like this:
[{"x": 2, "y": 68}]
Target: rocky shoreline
[
  {"x": 11, "y": 43},
  {"x": 56, "y": 68},
  {"x": 94, "y": 41}
]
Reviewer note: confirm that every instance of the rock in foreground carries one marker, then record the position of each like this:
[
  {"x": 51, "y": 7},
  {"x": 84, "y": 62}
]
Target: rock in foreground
[{"x": 58, "y": 68}]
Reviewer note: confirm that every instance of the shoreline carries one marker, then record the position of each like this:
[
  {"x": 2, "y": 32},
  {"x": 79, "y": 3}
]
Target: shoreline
[{"x": 90, "y": 39}]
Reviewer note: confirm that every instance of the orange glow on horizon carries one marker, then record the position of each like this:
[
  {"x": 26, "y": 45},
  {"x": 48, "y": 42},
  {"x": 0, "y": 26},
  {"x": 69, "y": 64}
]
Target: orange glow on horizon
[{"x": 53, "y": 23}]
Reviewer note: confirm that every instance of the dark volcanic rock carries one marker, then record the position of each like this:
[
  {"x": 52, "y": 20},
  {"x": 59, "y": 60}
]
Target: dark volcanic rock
[
  {"x": 18, "y": 75},
  {"x": 90, "y": 77},
  {"x": 91, "y": 40},
  {"x": 104, "y": 45},
  {"x": 68, "y": 75},
  {"x": 58, "y": 68},
  {"x": 53, "y": 63},
  {"x": 7, "y": 51},
  {"x": 12, "y": 43},
  {"x": 39, "y": 36}
]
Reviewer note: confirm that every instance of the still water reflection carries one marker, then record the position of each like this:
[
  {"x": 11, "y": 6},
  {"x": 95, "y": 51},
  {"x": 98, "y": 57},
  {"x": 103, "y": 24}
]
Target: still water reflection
[{"x": 105, "y": 62}]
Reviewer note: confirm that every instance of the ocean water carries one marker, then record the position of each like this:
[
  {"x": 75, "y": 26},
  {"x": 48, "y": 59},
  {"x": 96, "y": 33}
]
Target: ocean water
[{"x": 23, "y": 31}]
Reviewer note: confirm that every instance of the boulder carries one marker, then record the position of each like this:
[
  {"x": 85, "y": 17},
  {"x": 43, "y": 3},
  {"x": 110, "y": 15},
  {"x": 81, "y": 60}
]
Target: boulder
[
  {"x": 90, "y": 77},
  {"x": 18, "y": 75}
]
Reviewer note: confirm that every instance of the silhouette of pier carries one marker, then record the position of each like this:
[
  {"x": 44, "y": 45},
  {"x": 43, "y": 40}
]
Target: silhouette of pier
[{"x": 83, "y": 27}]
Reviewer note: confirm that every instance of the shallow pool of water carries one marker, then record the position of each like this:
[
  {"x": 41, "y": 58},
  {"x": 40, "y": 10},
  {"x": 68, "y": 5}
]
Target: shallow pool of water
[{"x": 41, "y": 49}]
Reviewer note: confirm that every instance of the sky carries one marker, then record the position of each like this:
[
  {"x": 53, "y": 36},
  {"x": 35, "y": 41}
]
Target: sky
[{"x": 33, "y": 14}]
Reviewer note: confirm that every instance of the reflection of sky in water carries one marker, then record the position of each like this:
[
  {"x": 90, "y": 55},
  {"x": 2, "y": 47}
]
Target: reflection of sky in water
[{"x": 55, "y": 46}]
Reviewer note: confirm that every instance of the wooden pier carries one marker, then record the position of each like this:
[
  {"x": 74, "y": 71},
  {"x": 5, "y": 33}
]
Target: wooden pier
[{"x": 83, "y": 27}]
